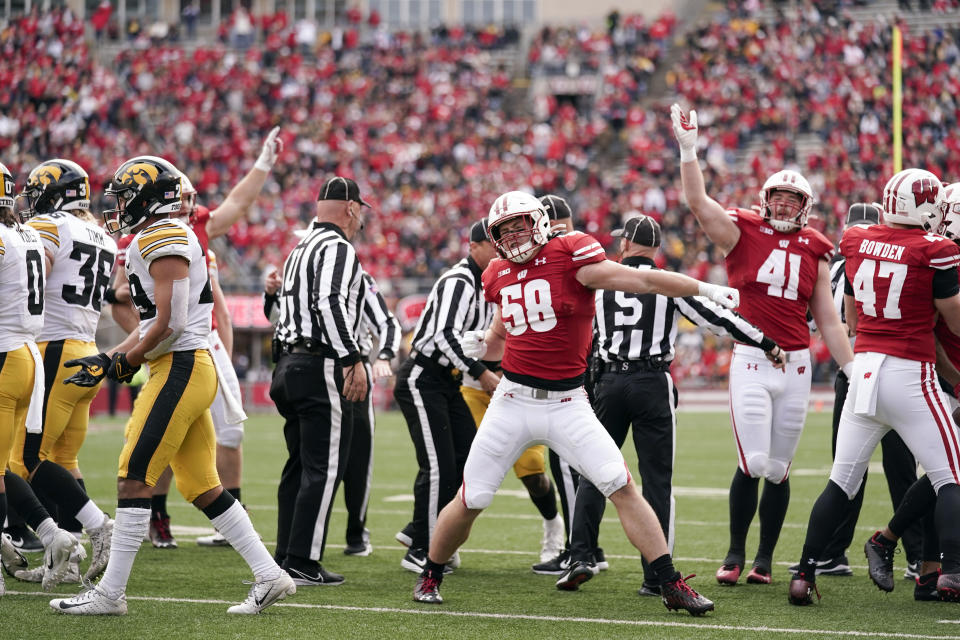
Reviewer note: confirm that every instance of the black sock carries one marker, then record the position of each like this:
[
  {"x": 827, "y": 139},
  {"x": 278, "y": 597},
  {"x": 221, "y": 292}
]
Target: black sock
[
  {"x": 948, "y": 527},
  {"x": 930, "y": 551},
  {"x": 22, "y": 498},
  {"x": 158, "y": 505},
  {"x": 830, "y": 508},
  {"x": 235, "y": 492},
  {"x": 743, "y": 504},
  {"x": 52, "y": 480},
  {"x": 70, "y": 522},
  {"x": 547, "y": 503},
  {"x": 663, "y": 568},
  {"x": 919, "y": 499},
  {"x": 773, "y": 509},
  {"x": 433, "y": 570}
]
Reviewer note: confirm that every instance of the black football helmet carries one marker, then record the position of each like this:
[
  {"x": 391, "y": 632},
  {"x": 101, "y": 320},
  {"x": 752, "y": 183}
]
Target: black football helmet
[
  {"x": 143, "y": 186},
  {"x": 56, "y": 185},
  {"x": 7, "y": 187}
]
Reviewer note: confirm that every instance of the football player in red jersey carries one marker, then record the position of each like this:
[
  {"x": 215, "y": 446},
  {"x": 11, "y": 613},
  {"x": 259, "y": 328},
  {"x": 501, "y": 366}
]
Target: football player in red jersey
[
  {"x": 899, "y": 277},
  {"x": 781, "y": 268},
  {"x": 544, "y": 285}
]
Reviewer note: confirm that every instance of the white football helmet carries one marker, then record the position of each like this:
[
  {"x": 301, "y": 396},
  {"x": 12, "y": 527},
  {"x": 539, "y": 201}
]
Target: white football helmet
[
  {"x": 518, "y": 246},
  {"x": 189, "y": 196},
  {"x": 787, "y": 180},
  {"x": 951, "y": 212},
  {"x": 914, "y": 197}
]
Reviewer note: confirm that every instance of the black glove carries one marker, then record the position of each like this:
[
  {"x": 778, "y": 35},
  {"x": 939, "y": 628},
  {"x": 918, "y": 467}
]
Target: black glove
[
  {"x": 121, "y": 370},
  {"x": 93, "y": 369}
]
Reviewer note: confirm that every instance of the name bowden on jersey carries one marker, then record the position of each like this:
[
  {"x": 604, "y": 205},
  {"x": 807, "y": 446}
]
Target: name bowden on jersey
[{"x": 881, "y": 249}]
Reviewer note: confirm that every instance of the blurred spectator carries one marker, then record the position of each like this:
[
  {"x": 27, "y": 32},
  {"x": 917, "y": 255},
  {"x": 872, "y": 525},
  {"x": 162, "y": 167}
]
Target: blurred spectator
[
  {"x": 189, "y": 15},
  {"x": 101, "y": 18}
]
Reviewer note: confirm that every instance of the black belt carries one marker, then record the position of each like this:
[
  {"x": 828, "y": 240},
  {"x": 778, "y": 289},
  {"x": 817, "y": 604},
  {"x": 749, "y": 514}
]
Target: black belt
[
  {"x": 442, "y": 371},
  {"x": 653, "y": 363},
  {"x": 308, "y": 347}
]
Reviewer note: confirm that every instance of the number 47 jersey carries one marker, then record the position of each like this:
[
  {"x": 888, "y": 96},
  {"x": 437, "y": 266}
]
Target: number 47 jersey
[
  {"x": 83, "y": 256},
  {"x": 776, "y": 273},
  {"x": 895, "y": 274}
]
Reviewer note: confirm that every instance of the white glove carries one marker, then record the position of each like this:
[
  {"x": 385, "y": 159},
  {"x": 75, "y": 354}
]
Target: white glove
[
  {"x": 272, "y": 146},
  {"x": 848, "y": 370},
  {"x": 473, "y": 344},
  {"x": 686, "y": 132},
  {"x": 724, "y": 296}
]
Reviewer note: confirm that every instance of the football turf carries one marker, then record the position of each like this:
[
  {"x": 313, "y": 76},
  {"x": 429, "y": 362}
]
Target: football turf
[{"x": 184, "y": 593}]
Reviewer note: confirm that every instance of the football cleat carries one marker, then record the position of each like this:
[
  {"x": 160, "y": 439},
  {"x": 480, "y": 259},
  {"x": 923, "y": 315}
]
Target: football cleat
[
  {"x": 600, "y": 559},
  {"x": 159, "y": 532},
  {"x": 880, "y": 561},
  {"x": 264, "y": 593},
  {"x": 677, "y": 594},
  {"x": 57, "y": 556},
  {"x": 576, "y": 574},
  {"x": 912, "y": 572},
  {"x": 72, "y": 576},
  {"x": 100, "y": 539},
  {"x": 10, "y": 557},
  {"x": 925, "y": 588},
  {"x": 92, "y": 602},
  {"x": 555, "y": 566},
  {"x": 318, "y": 577},
  {"x": 759, "y": 575},
  {"x": 453, "y": 562},
  {"x": 415, "y": 560},
  {"x": 361, "y": 549},
  {"x": 649, "y": 589},
  {"x": 838, "y": 566},
  {"x": 427, "y": 590},
  {"x": 405, "y": 535},
  {"x": 948, "y": 586},
  {"x": 23, "y": 538},
  {"x": 729, "y": 574},
  {"x": 551, "y": 545},
  {"x": 801, "y": 588},
  {"x": 213, "y": 540}
]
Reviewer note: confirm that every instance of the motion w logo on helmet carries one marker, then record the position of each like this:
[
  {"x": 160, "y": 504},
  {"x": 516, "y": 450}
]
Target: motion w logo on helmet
[
  {"x": 925, "y": 190},
  {"x": 140, "y": 173}
]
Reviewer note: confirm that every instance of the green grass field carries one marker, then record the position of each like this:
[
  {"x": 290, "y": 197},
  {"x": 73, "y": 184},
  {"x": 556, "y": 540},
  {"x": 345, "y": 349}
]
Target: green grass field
[{"x": 184, "y": 593}]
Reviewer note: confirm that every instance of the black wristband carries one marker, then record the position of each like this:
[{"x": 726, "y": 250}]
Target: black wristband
[
  {"x": 767, "y": 344},
  {"x": 110, "y": 295}
]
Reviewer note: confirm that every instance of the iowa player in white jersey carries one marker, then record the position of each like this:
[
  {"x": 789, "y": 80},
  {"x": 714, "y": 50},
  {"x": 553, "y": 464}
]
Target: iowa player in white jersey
[
  {"x": 78, "y": 256},
  {"x": 21, "y": 379},
  {"x": 170, "y": 424}
]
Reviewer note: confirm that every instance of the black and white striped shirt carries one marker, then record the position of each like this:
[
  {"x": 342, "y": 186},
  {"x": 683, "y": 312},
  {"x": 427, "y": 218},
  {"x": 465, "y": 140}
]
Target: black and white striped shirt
[
  {"x": 322, "y": 294},
  {"x": 455, "y": 305},
  {"x": 377, "y": 319},
  {"x": 630, "y": 326}
]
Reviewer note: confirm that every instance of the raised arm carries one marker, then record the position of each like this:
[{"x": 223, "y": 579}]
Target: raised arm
[
  {"x": 610, "y": 275},
  {"x": 712, "y": 217}
]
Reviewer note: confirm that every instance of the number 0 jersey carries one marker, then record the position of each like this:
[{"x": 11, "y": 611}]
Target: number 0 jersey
[
  {"x": 891, "y": 273},
  {"x": 22, "y": 273},
  {"x": 547, "y": 312},
  {"x": 776, "y": 273},
  {"x": 163, "y": 238},
  {"x": 83, "y": 257}
]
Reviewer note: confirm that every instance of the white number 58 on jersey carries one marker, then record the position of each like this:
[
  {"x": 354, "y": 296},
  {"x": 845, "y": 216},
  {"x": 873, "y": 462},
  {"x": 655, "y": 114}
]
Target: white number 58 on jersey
[{"x": 527, "y": 304}]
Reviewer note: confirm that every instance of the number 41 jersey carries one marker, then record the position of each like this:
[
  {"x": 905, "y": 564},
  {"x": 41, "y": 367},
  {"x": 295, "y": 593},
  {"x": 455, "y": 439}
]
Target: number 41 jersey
[
  {"x": 891, "y": 272},
  {"x": 83, "y": 256},
  {"x": 776, "y": 273},
  {"x": 548, "y": 314}
]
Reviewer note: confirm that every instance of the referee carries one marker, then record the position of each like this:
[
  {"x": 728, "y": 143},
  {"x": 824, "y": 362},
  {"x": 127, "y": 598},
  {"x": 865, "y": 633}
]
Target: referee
[
  {"x": 358, "y": 474},
  {"x": 319, "y": 376},
  {"x": 634, "y": 335},
  {"x": 428, "y": 392}
]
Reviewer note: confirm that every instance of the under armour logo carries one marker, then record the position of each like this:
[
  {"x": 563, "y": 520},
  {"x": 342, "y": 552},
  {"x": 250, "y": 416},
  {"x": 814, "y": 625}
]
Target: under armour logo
[
  {"x": 800, "y": 370},
  {"x": 753, "y": 365},
  {"x": 804, "y": 240},
  {"x": 565, "y": 400},
  {"x": 539, "y": 261},
  {"x": 522, "y": 274},
  {"x": 867, "y": 375}
]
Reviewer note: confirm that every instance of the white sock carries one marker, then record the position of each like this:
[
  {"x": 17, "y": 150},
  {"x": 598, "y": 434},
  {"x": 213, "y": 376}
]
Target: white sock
[
  {"x": 90, "y": 516},
  {"x": 234, "y": 525},
  {"x": 129, "y": 530},
  {"x": 46, "y": 531}
]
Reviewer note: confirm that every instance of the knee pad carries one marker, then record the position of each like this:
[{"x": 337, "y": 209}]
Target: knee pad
[
  {"x": 776, "y": 471},
  {"x": 229, "y": 435},
  {"x": 757, "y": 465},
  {"x": 476, "y": 497},
  {"x": 609, "y": 478}
]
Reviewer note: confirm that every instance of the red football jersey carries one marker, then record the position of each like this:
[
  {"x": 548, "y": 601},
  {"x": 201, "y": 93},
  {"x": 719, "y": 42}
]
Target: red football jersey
[
  {"x": 198, "y": 222},
  {"x": 547, "y": 313},
  {"x": 775, "y": 273},
  {"x": 891, "y": 272}
]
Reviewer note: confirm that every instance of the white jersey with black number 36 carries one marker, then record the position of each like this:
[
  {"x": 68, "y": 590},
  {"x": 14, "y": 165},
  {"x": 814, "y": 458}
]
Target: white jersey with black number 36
[
  {"x": 83, "y": 257},
  {"x": 22, "y": 274},
  {"x": 163, "y": 238}
]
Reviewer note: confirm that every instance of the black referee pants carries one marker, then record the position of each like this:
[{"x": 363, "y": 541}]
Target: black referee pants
[
  {"x": 359, "y": 472},
  {"x": 317, "y": 429},
  {"x": 900, "y": 470},
  {"x": 442, "y": 431},
  {"x": 647, "y": 400}
]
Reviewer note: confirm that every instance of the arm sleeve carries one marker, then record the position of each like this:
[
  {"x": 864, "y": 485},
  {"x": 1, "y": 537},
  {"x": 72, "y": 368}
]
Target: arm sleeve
[
  {"x": 945, "y": 283},
  {"x": 705, "y": 313},
  {"x": 338, "y": 268}
]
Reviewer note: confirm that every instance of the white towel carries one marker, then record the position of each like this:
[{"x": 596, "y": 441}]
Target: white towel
[
  {"x": 866, "y": 367},
  {"x": 232, "y": 404},
  {"x": 35, "y": 412}
]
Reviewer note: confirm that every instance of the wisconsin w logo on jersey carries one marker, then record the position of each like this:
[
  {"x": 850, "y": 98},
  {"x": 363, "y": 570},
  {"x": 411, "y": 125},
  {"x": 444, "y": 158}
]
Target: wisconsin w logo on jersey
[{"x": 140, "y": 173}]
